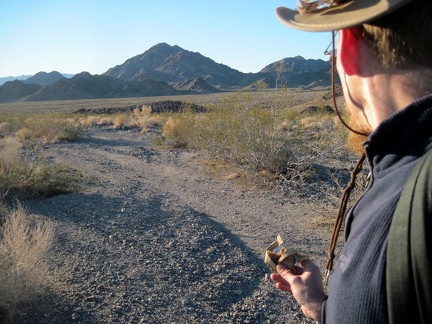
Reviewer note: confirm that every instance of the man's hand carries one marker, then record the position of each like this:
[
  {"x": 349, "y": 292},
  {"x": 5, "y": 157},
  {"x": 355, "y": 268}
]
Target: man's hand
[{"x": 305, "y": 285}]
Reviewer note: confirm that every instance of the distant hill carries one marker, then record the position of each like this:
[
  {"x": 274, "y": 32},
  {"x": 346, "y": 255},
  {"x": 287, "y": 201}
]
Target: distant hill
[
  {"x": 3, "y": 80},
  {"x": 16, "y": 90},
  {"x": 297, "y": 71},
  {"x": 87, "y": 86},
  {"x": 195, "y": 85},
  {"x": 40, "y": 78},
  {"x": 44, "y": 78},
  {"x": 297, "y": 64}
]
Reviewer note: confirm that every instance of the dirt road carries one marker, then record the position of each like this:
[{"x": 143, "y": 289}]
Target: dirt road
[{"x": 158, "y": 238}]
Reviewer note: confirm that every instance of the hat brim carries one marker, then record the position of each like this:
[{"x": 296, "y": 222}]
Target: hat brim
[{"x": 338, "y": 17}]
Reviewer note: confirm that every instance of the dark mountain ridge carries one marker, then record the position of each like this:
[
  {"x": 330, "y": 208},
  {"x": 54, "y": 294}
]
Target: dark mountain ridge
[
  {"x": 298, "y": 71},
  {"x": 44, "y": 78},
  {"x": 87, "y": 86},
  {"x": 173, "y": 64},
  {"x": 165, "y": 70},
  {"x": 15, "y": 90}
]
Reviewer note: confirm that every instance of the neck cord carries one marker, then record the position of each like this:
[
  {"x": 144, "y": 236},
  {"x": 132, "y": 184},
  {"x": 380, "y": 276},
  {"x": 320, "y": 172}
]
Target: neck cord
[
  {"x": 340, "y": 216},
  {"x": 347, "y": 191}
]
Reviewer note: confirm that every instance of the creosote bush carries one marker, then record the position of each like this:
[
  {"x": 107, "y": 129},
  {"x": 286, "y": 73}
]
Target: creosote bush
[
  {"x": 24, "y": 272},
  {"x": 269, "y": 137}
]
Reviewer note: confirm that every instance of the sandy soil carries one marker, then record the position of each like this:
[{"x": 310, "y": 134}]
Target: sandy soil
[{"x": 157, "y": 237}]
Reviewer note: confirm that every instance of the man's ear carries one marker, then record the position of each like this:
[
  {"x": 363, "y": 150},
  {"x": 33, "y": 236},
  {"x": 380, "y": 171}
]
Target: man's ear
[{"x": 349, "y": 50}]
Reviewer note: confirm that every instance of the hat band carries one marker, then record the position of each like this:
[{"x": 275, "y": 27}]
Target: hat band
[{"x": 311, "y": 6}]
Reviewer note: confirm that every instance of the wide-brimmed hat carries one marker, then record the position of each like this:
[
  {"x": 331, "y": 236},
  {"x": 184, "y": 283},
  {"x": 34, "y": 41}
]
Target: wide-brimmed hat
[{"x": 338, "y": 14}]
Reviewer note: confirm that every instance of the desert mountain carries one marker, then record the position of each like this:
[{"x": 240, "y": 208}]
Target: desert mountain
[
  {"x": 296, "y": 64},
  {"x": 165, "y": 70},
  {"x": 44, "y": 78},
  {"x": 297, "y": 71},
  {"x": 87, "y": 86},
  {"x": 84, "y": 86},
  {"x": 173, "y": 64}
]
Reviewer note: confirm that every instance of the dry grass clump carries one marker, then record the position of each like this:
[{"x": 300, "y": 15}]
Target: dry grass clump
[
  {"x": 156, "y": 120},
  {"x": 140, "y": 118},
  {"x": 25, "y": 175},
  {"x": 120, "y": 120},
  {"x": 23, "y": 172},
  {"x": 49, "y": 129},
  {"x": 24, "y": 134},
  {"x": 90, "y": 120},
  {"x": 95, "y": 120},
  {"x": 175, "y": 131},
  {"x": 24, "y": 272},
  {"x": 5, "y": 128},
  {"x": 39, "y": 129},
  {"x": 105, "y": 121}
]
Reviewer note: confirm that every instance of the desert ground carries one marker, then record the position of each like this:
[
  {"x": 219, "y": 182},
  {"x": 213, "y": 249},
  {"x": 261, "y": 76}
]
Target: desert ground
[{"x": 160, "y": 236}]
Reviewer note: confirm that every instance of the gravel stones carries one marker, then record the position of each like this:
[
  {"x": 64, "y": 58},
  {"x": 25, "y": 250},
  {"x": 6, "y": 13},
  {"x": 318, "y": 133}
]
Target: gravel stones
[{"x": 141, "y": 244}]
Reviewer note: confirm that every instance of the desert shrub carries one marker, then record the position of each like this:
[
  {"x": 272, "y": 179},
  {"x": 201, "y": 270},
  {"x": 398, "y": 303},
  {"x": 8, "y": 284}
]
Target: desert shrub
[
  {"x": 120, "y": 120},
  {"x": 267, "y": 136},
  {"x": 238, "y": 131},
  {"x": 176, "y": 131},
  {"x": 156, "y": 120},
  {"x": 24, "y": 272},
  {"x": 49, "y": 129},
  {"x": 142, "y": 124},
  {"x": 90, "y": 120},
  {"x": 144, "y": 111},
  {"x": 39, "y": 129},
  {"x": 24, "y": 134},
  {"x": 105, "y": 121},
  {"x": 5, "y": 128},
  {"x": 27, "y": 175},
  {"x": 141, "y": 118}
]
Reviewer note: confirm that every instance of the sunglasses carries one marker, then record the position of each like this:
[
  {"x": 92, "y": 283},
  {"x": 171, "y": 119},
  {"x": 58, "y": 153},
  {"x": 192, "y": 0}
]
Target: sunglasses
[
  {"x": 332, "y": 54},
  {"x": 331, "y": 50}
]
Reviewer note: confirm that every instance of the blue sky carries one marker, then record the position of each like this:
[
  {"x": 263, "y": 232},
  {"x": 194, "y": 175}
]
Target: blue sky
[{"x": 71, "y": 36}]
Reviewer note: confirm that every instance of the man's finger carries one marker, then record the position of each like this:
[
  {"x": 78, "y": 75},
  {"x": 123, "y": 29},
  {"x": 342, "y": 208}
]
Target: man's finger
[
  {"x": 309, "y": 266},
  {"x": 283, "y": 287},
  {"x": 276, "y": 277}
]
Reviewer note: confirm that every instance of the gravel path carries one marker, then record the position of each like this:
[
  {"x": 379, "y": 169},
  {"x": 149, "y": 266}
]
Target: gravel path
[{"x": 156, "y": 238}]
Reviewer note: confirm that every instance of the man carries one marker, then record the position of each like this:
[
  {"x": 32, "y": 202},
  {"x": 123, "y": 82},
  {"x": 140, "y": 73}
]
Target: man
[{"x": 384, "y": 60}]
